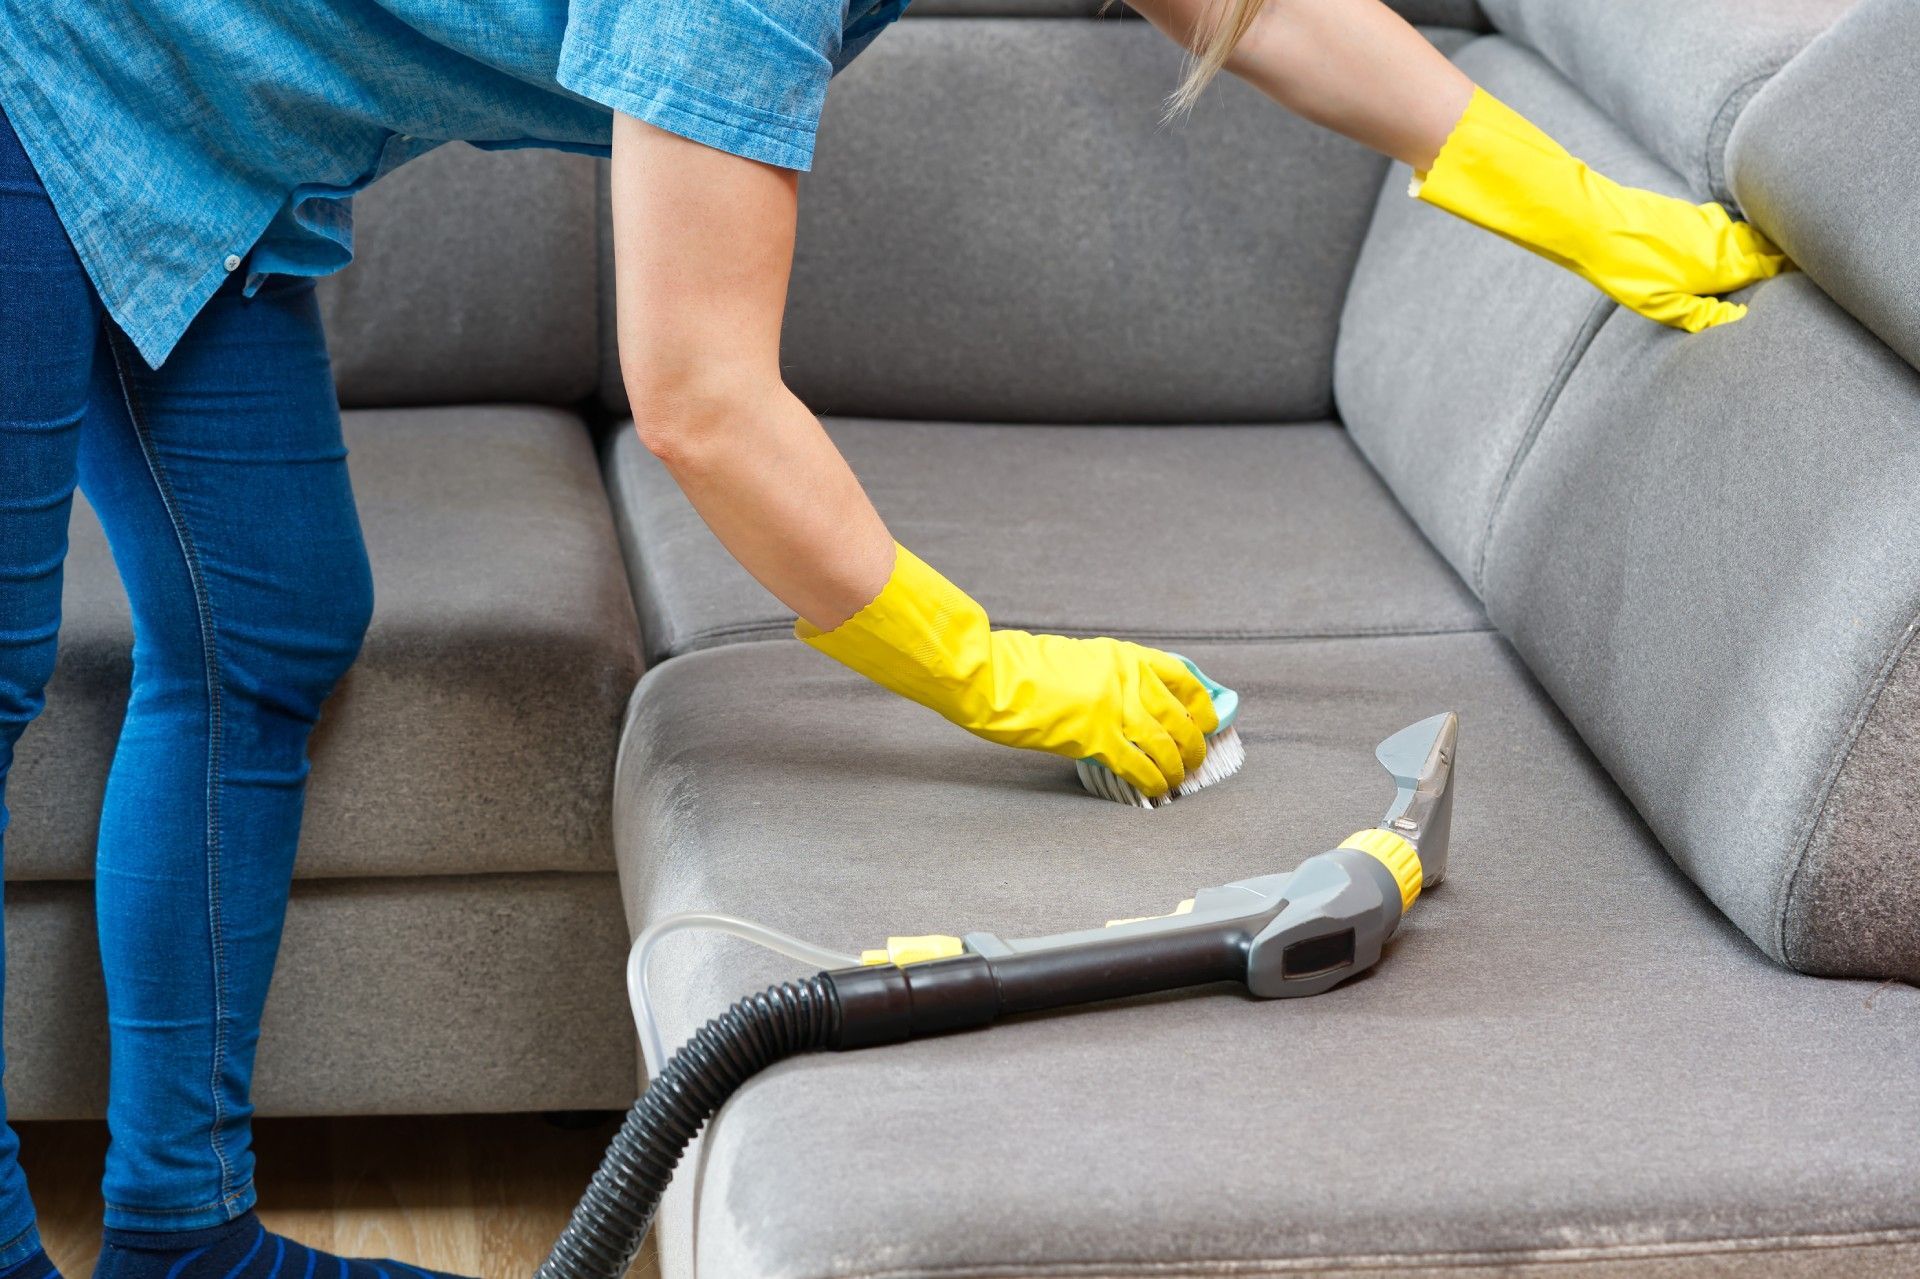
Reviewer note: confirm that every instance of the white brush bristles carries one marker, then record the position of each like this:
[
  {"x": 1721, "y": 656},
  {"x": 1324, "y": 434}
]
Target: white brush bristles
[{"x": 1225, "y": 754}]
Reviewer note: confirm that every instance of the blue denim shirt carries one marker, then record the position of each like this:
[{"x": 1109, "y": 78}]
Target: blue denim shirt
[{"x": 175, "y": 137}]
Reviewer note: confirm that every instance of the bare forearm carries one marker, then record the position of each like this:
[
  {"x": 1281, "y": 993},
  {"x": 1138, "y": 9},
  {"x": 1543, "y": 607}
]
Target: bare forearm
[
  {"x": 777, "y": 493},
  {"x": 703, "y": 245},
  {"x": 1353, "y": 66}
]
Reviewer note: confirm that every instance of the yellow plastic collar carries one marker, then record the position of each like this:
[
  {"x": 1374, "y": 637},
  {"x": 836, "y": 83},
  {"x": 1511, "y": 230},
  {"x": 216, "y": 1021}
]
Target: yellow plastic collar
[
  {"x": 1396, "y": 854},
  {"x": 1184, "y": 908},
  {"x": 914, "y": 950}
]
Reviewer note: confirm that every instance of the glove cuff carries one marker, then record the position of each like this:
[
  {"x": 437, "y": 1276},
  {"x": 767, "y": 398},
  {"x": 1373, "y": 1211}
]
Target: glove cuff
[
  {"x": 1499, "y": 171},
  {"x": 921, "y": 637}
]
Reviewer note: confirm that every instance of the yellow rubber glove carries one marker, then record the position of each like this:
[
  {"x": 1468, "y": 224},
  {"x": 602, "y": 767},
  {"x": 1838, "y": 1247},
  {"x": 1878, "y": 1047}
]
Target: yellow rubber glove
[
  {"x": 1660, "y": 256},
  {"x": 1137, "y": 710}
]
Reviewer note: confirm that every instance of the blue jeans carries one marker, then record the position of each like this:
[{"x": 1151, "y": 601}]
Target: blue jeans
[{"x": 221, "y": 481}]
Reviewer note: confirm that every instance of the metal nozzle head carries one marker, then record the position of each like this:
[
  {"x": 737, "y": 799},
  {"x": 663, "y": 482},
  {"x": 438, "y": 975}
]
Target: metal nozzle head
[{"x": 1420, "y": 757}]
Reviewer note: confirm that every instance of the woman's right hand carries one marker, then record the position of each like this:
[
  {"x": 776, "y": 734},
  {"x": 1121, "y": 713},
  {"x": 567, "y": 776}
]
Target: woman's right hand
[
  {"x": 1137, "y": 710},
  {"x": 1663, "y": 257}
]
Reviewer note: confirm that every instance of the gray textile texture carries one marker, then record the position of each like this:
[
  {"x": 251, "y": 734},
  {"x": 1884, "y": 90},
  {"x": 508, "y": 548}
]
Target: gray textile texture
[
  {"x": 1454, "y": 342},
  {"x": 1710, "y": 559},
  {"x": 393, "y": 996},
  {"x": 1823, "y": 159},
  {"x": 476, "y": 733},
  {"x": 1848, "y": 861},
  {"x": 1566, "y": 1057},
  {"x": 1676, "y": 75},
  {"x": 1162, "y": 534},
  {"x": 474, "y": 279},
  {"x": 998, "y": 227}
]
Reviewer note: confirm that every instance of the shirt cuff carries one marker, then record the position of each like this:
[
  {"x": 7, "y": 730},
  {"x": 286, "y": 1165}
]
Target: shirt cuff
[{"x": 736, "y": 128}]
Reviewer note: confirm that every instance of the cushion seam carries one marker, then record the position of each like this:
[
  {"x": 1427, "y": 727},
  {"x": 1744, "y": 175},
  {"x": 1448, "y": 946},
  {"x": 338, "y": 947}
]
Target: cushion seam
[
  {"x": 1721, "y": 127},
  {"x": 1863, "y": 715},
  {"x": 777, "y": 628},
  {"x": 1602, "y": 1254},
  {"x": 1596, "y": 317}
]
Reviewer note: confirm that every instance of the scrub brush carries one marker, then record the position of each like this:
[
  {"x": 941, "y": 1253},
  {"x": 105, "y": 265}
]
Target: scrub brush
[{"x": 1225, "y": 754}]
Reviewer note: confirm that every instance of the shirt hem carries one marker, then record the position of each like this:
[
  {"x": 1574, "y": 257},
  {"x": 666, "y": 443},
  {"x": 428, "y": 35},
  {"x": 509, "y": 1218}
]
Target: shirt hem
[{"x": 44, "y": 137}]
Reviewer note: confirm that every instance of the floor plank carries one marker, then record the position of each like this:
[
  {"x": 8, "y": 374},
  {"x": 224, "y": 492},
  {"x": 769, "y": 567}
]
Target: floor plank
[{"x": 480, "y": 1195}]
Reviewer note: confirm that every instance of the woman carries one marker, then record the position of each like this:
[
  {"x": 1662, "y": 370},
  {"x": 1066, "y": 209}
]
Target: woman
[{"x": 172, "y": 176}]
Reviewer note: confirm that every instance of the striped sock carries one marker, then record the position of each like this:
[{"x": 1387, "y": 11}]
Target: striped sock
[
  {"x": 38, "y": 1266},
  {"x": 240, "y": 1249}
]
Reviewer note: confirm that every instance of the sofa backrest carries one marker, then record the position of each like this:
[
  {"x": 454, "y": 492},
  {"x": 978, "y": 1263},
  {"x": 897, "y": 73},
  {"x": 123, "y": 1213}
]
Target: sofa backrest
[
  {"x": 1676, "y": 76},
  {"x": 999, "y": 227},
  {"x": 1705, "y": 547},
  {"x": 1454, "y": 343},
  {"x": 1825, "y": 157},
  {"x": 475, "y": 279}
]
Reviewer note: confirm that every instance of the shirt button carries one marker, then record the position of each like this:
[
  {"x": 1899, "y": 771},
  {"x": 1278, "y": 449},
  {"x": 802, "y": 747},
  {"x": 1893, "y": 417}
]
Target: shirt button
[{"x": 233, "y": 262}]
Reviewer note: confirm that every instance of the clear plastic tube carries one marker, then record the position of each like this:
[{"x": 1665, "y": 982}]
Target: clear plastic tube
[{"x": 640, "y": 995}]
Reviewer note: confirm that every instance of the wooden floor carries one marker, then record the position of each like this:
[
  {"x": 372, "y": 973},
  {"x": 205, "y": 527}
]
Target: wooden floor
[{"x": 472, "y": 1195}]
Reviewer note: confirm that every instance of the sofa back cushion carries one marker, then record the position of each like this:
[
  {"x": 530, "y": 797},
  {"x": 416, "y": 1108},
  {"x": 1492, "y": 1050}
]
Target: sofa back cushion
[
  {"x": 473, "y": 280},
  {"x": 999, "y": 227},
  {"x": 1825, "y": 158},
  {"x": 1711, "y": 555},
  {"x": 1711, "y": 559},
  {"x": 1676, "y": 76},
  {"x": 1454, "y": 342},
  {"x": 1705, "y": 547}
]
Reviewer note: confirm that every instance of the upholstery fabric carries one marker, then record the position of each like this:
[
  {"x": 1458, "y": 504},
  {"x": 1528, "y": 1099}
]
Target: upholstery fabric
[
  {"x": 477, "y": 730},
  {"x": 998, "y": 227},
  {"x": 1710, "y": 560},
  {"x": 1676, "y": 75},
  {"x": 393, "y": 996},
  {"x": 1454, "y": 342},
  {"x": 501, "y": 307},
  {"x": 1276, "y": 531},
  {"x": 1848, "y": 861},
  {"x": 1565, "y": 1058},
  {"x": 1813, "y": 161}
]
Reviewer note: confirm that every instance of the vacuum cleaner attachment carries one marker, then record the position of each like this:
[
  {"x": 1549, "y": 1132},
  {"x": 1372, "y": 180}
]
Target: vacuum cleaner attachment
[
  {"x": 1225, "y": 754},
  {"x": 1281, "y": 936}
]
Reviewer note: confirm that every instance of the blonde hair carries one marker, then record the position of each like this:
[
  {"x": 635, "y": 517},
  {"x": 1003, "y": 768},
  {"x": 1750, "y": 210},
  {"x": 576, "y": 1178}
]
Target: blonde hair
[{"x": 1213, "y": 42}]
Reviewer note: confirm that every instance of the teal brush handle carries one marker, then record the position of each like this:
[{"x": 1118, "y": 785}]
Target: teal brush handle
[{"x": 1226, "y": 702}]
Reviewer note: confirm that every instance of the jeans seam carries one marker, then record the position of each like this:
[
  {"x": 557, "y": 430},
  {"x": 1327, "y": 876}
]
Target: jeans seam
[
  {"x": 30, "y": 1235},
  {"x": 215, "y": 748},
  {"x": 226, "y": 1200}
]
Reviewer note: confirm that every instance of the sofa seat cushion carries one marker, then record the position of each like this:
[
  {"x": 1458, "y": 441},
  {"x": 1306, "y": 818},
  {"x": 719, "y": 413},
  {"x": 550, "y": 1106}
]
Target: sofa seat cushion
[
  {"x": 1568, "y": 1062},
  {"x": 455, "y": 993},
  {"x": 1163, "y": 534},
  {"x": 476, "y": 732}
]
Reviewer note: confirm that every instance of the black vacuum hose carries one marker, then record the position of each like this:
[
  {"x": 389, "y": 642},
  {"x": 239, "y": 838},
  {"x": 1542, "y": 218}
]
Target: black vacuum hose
[{"x": 613, "y": 1217}]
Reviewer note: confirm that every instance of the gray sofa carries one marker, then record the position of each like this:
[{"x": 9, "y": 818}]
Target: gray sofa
[{"x": 1664, "y": 1017}]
